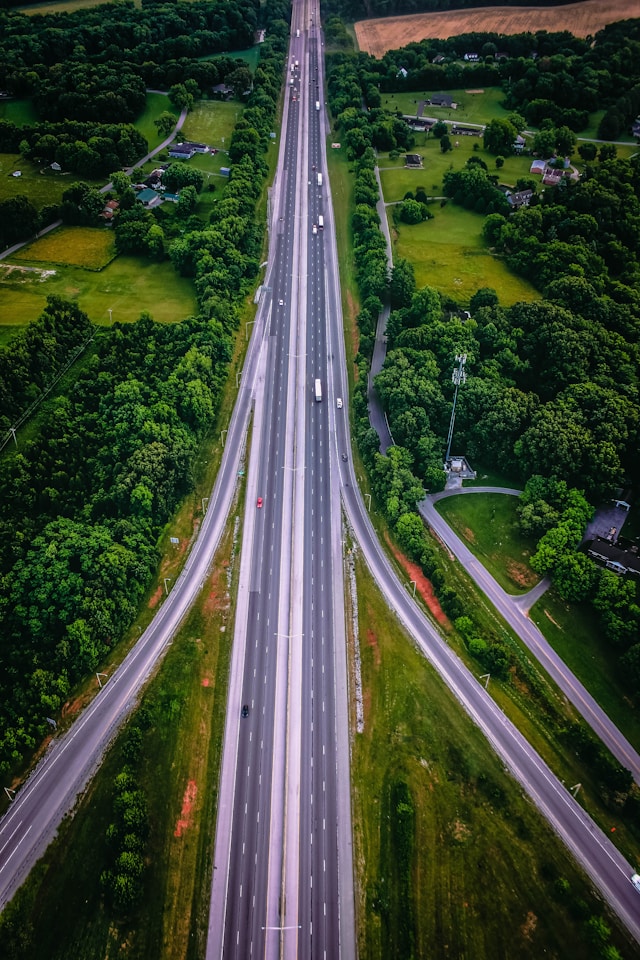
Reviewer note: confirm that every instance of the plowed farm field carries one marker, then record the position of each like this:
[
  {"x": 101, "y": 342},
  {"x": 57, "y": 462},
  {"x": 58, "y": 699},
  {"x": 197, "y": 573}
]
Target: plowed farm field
[{"x": 581, "y": 19}]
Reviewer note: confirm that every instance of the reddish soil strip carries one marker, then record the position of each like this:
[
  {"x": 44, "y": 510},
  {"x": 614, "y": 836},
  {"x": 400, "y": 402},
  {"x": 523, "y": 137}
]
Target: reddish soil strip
[
  {"x": 187, "y": 806},
  {"x": 423, "y": 587}
]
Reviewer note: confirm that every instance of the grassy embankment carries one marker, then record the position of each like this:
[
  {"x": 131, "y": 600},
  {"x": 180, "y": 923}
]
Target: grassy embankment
[{"x": 485, "y": 876}]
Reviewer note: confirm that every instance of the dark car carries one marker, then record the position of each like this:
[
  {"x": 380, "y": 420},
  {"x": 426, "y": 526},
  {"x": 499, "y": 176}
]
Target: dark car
[{"x": 245, "y": 710}]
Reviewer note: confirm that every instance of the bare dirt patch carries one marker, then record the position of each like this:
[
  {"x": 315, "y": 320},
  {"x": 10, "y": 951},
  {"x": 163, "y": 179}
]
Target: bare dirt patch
[
  {"x": 372, "y": 640},
  {"x": 423, "y": 586},
  {"x": 474, "y": 91},
  {"x": 187, "y": 807},
  {"x": 554, "y": 622},
  {"x": 521, "y": 574},
  {"x": 468, "y": 534},
  {"x": 154, "y": 600},
  {"x": 580, "y": 19},
  {"x": 460, "y": 831},
  {"x": 529, "y": 926}
]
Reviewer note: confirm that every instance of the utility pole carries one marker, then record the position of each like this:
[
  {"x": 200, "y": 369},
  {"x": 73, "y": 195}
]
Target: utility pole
[{"x": 458, "y": 376}]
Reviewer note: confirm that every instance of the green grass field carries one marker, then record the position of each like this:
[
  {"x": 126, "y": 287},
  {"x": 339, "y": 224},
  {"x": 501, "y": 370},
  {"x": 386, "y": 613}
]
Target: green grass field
[
  {"x": 42, "y": 187},
  {"x": 127, "y": 286},
  {"x": 448, "y": 253},
  {"x": 471, "y": 107},
  {"x": 488, "y": 523},
  {"x": 251, "y": 56},
  {"x": 212, "y": 122},
  {"x": 156, "y": 104},
  {"x": 89, "y": 247},
  {"x": 572, "y": 630},
  {"x": 64, "y": 6},
  {"x": 20, "y": 112}
]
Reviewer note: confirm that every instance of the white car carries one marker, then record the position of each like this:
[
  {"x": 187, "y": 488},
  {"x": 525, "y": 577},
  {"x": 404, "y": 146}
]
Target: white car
[
  {"x": 339, "y": 403},
  {"x": 635, "y": 880},
  {"x": 314, "y": 228}
]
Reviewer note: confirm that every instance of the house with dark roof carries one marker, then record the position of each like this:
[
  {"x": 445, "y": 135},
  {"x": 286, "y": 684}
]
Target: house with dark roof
[
  {"x": 413, "y": 160},
  {"x": 196, "y": 147},
  {"x": 520, "y": 198},
  {"x": 441, "y": 100},
  {"x": 180, "y": 151},
  {"x": 614, "y": 556},
  {"x": 222, "y": 92}
]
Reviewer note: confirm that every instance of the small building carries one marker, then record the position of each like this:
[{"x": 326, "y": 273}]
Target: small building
[
  {"x": 402, "y": 73},
  {"x": 614, "y": 557},
  {"x": 17, "y": 173},
  {"x": 110, "y": 208},
  {"x": 225, "y": 171},
  {"x": 172, "y": 197},
  {"x": 552, "y": 177},
  {"x": 149, "y": 198},
  {"x": 440, "y": 58},
  {"x": 55, "y": 166},
  {"x": 519, "y": 144},
  {"x": 471, "y": 57},
  {"x": 221, "y": 91},
  {"x": 538, "y": 166},
  {"x": 466, "y": 131},
  {"x": 521, "y": 198},
  {"x": 196, "y": 147},
  {"x": 441, "y": 100},
  {"x": 413, "y": 160},
  {"x": 180, "y": 151}
]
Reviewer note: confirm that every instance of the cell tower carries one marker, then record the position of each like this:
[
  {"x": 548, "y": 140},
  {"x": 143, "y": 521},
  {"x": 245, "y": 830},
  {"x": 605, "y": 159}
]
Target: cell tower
[{"x": 457, "y": 377}]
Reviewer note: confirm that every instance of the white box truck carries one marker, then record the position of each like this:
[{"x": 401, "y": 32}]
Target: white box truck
[
  {"x": 319, "y": 179},
  {"x": 317, "y": 104},
  {"x": 320, "y": 222},
  {"x": 318, "y": 390}
]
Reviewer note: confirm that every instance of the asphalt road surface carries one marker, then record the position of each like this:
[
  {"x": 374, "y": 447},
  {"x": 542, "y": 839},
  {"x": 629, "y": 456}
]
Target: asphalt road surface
[{"x": 282, "y": 879}]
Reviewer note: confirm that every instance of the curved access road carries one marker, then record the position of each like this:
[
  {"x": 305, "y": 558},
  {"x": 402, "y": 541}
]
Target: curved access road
[{"x": 515, "y": 613}]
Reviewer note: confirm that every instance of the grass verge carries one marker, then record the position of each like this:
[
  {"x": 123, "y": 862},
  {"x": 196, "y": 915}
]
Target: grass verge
[
  {"x": 487, "y": 878},
  {"x": 488, "y": 523}
]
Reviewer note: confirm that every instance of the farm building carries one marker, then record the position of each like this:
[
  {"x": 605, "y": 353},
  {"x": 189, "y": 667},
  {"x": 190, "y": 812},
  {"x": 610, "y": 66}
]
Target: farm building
[
  {"x": 538, "y": 166},
  {"x": 467, "y": 131}
]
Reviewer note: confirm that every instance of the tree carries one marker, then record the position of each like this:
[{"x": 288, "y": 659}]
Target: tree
[
  {"x": 187, "y": 202},
  {"x": 439, "y": 129},
  {"x": 499, "y": 162},
  {"x": 499, "y": 137},
  {"x": 544, "y": 143},
  {"x": 445, "y": 144},
  {"x": 165, "y": 123},
  {"x": 181, "y": 98},
  {"x": 410, "y": 211},
  {"x": 403, "y": 285}
]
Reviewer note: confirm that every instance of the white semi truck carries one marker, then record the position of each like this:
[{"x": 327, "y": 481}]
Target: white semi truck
[{"x": 318, "y": 390}]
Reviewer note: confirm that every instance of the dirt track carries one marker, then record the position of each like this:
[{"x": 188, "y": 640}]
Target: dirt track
[{"x": 581, "y": 19}]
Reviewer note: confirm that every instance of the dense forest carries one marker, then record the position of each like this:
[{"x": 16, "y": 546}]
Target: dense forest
[
  {"x": 88, "y": 494},
  {"x": 552, "y": 386}
]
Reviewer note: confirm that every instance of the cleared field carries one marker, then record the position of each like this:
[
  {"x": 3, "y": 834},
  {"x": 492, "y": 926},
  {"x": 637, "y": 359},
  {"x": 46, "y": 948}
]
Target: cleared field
[
  {"x": 212, "y": 122},
  {"x": 66, "y": 6},
  {"x": 89, "y": 247},
  {"x": 42, "y": 187},
  {"x": 488, "y": 523},
  {"x": 18, "y": 111},
  {"x": 156, "y": 104},
  {"x": 126, "y": 287},
  {"x": 581, "y": 19}
]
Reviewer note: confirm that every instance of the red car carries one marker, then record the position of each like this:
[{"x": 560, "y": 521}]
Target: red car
[{"x": 259, "y": 503}]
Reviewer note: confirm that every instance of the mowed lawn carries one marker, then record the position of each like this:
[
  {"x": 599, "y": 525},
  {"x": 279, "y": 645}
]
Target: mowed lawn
[
  {"x": 157, "y": 103},
  {"x": 212, "y": 122},
  {"x": 488, "y": 524},
  {"x": 127, "y": 286},
  {"x": 478, "y": 107},
  {"x": 41, "y": 185}
]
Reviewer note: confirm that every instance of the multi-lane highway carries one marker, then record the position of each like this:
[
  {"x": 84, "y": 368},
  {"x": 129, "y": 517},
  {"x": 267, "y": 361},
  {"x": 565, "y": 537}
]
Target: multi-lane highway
[
  {"x": 283, "y": 874},
  {"x": 282, "y": 869}
]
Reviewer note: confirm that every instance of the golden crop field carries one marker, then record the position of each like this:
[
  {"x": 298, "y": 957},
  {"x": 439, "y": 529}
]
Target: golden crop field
[{"x": 581, "y": 19}]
